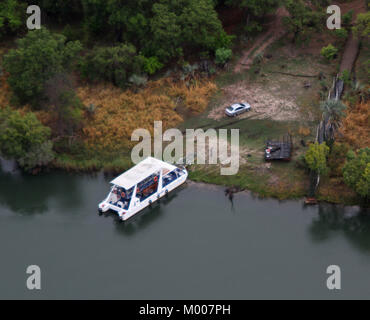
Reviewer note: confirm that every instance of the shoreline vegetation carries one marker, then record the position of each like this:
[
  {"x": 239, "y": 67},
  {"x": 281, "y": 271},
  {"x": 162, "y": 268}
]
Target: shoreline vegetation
[{"x": 90, "y": 114}]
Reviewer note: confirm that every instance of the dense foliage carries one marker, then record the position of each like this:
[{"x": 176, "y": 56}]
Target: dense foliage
[
  {"x": 12, "y": 14},
  {"x": 256, "y": 7},
  {"x": 362, "y": 26},
  {"x": 329, "y": 52},
  {"x": 356, "y": 172},
  {"x": 302, "y": 20},
  {"x": 113, "y": 64},
  {"x": 316, "y": 157},
  {"x": 164, "y": 29},
  {"x": 39, "y": 56},
  {"x": 24, "y": 138}
]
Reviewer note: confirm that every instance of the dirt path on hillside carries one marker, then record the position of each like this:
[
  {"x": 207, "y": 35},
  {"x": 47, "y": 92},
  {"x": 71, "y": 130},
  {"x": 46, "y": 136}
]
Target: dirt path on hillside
[
  {"x": 353, "y": 44},
  {"x": 274, "y": 32}
]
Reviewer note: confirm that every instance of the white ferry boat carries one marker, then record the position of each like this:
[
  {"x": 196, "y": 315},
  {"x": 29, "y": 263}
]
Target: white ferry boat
[{"x": 141, "y": 186}]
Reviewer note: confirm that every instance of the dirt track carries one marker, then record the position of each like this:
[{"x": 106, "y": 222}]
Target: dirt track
[
  {"x": 274, "y": 32},
  {"x": 353, "y": 43}
]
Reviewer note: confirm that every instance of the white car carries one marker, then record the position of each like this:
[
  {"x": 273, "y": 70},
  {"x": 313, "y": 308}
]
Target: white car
[{"x": 237, "y": 108}]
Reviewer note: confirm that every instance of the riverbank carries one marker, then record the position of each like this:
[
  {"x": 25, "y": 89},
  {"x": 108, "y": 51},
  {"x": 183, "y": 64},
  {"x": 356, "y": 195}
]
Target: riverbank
[
  {"x": 284, "y": 83},
  {"x": 281, "y": 104}
]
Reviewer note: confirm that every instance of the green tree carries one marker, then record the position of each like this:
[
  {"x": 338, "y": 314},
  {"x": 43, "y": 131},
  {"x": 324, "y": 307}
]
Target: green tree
[
  {"x": 362, "y": 26},
  {"x": 22, "y": 136},
  {"x": 12, "y": 15},
  {"x": 302, "y": 20},
  {"x": 356, "y": 172},
  {"x": 166, "y": 32},
  {"x": 258, "y": 8},
  {"x": 114, "y": 64},
  {"x": 201, "y": 27},
  {"x": 316, "y": 157},
  {"x": 38, "y": 57}
]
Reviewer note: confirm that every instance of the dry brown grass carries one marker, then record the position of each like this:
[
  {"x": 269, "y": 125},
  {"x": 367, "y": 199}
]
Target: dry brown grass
[
  {"x": 304, "y": 131},
  {"x": 118, "y": 113},
  {"x": 355, "y": 129},
  {"x": 195, "y": 98}
]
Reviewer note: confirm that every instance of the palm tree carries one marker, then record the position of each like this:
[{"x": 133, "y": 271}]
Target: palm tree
[{"x": 332, "y": 111}]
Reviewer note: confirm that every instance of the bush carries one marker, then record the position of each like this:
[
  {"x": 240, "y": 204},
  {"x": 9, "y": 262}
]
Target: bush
[
  {"x": 37, "y": 156},
  {"x": 341, "y": 33},
  {"x": 315, "y": 158},
  {"x": 347, "y": 18},
  {"x": 253, "y": 27},
  {"x": 222, "y": 56},
  {"x": 356, "y": 172},
  {"x": 39, "y": 56},
  {"x": 152, "y": 65},
  {"x": 329, "y": 52},
  {"x": 337, "y": 158},
  {"x": 25, "y": 139}
]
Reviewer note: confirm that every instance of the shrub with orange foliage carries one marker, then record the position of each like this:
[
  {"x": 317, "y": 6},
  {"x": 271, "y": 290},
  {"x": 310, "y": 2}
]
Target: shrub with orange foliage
[
  {"x": 195, "y": 97},
  {"x": 118, "y": 113},
  {"x": 355, "y": 128}
]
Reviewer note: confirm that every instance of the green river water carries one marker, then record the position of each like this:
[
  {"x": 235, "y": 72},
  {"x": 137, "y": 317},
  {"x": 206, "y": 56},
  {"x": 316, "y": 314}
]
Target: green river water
[{"x": 194, "y": 245}]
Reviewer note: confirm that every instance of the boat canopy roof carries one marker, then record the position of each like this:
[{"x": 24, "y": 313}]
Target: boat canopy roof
[{"x": 141, "y": 171}]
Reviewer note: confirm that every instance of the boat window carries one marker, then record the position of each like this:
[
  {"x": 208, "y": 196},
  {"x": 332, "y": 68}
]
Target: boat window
[
  {"x": 147, "y": 187},
  {"x": 170, "y": 177},
  {"x": 120, "y": 197}
]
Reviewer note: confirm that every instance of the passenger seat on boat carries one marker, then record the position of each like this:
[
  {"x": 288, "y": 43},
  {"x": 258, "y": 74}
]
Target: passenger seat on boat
[{"x": 120, "y": 204}]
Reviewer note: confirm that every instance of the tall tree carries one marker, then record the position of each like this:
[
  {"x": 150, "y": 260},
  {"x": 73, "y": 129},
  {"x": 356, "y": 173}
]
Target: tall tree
[
  {"x": 24, "y": 138},
  {"x": 316, "y": 158},
  {"x": 38, "y": 57},
  {"x": 302, "y": 20}
]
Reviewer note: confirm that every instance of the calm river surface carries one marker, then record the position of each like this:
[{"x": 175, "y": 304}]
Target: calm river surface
[{"x": 195, "y": 245}]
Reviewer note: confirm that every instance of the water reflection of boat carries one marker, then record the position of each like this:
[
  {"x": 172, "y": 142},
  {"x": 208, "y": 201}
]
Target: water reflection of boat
[
  {"x": 141, "y": 186},
  {"x": 146, "y": 218}
]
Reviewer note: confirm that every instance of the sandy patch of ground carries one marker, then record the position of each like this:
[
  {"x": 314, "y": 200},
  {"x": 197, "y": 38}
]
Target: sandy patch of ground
[{"x": 265, "y": 105}]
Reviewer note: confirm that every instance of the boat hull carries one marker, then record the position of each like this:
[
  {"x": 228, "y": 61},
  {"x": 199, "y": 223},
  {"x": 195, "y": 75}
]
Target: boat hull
[{"x": 141, "y": 205}]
